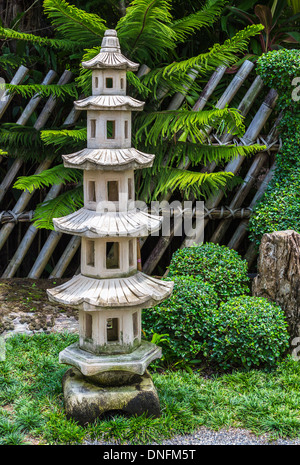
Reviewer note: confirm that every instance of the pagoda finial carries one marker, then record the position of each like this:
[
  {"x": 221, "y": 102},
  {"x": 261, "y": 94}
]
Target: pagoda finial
[
  {"x": 110, "y": 55},
  {"x": 110, "y": 42}
]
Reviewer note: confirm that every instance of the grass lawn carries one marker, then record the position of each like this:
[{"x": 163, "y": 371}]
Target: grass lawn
[{"x": 31, "y": 400}]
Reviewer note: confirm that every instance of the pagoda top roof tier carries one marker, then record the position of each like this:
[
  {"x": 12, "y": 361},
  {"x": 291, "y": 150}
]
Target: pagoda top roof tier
[
  {"x": 138, "y": 291},
  {"x": 108, "y": 159},
  {"x": 109, "y": 102},
  {"x": 110, "y": 55},
  {"x": 93, "y": 224}
]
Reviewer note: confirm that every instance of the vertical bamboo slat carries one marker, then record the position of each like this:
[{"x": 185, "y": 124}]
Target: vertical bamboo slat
[
  {"x": 28, "y": 110},
  {"x": 20, "y": 206},
  {"x": 7, "y": 97},
  {"x": 66, "y": 257},
  {"x": 233, "y": 166},
  {"x": 27, "y": 240}
]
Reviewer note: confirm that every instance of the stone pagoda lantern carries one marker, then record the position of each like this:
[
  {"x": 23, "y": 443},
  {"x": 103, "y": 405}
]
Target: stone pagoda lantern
[{"x": 109, "y": 364}]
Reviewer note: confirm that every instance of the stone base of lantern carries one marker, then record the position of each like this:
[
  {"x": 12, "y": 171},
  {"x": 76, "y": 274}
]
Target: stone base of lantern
[
  {"x": 94, "y": 365},
  {"x": 86, "y": 401}
]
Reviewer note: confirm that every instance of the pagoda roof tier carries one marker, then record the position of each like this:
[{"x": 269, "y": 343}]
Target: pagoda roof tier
[
  {"x": 138, "y": 291},
  {"x": 111, "y": 60},
  {"x": 109, "y": 102},
  {"x": 93, "y": 224},
  {"x": 108, "y": 159},
  {"x": 110, "y": 55}
]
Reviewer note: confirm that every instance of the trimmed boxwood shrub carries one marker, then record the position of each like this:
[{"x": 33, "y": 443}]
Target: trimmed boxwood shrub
[
  {"x": 218, "y": 265},
  {"x": 242, "y": 332},
  {"x": 183, "y": 316},
  {"x": 246, "y": 331}
]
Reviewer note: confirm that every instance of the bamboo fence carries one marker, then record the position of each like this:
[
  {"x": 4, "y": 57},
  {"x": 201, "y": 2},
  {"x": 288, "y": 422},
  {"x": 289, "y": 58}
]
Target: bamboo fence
[{"x": 225, "y": 217}]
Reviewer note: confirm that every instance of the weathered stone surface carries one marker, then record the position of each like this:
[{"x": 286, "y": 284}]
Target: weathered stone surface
[
  {"x": 85, "y": 401},
  {"x": 91, "y": 364},
  {"x": 278, "y": 277}
]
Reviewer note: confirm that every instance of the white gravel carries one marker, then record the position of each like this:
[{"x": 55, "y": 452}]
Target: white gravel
[{"x": 206, "y": 436}]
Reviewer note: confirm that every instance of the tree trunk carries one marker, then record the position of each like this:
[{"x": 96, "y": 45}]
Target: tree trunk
[{"x": 278, "y": 277}]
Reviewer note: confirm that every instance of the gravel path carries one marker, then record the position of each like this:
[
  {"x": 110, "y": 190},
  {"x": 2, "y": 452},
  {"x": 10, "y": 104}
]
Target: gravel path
[{"x": 206, "y": 436}]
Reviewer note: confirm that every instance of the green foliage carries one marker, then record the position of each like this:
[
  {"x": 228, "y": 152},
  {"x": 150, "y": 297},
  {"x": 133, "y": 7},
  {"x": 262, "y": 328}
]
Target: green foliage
[
  {"x": 62, "y": 91},
  {"x": 251, "y": 399},
  {"x": 56, "y": 175},
  {"x": 60, "y": 206},
  {"x": 217, "y": 265},
  {"x": 280, "y": 24},
  {"x": 187, "y": 25},
  {"x": 150, "y": 33},
  {"x": 246, "y": 331},
  {"x": 145, "y": 30},
  {"x": 278, "y": 69},
  {"x": 75, "y": 24},
  {"x": 183, "y": 315},
  {"x": 279, "y": 208}
]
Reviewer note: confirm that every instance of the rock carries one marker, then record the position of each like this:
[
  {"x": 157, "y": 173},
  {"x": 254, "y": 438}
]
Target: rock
[
  {"x": 85, "y": 401},
  {"x": 278, "y": 277}
]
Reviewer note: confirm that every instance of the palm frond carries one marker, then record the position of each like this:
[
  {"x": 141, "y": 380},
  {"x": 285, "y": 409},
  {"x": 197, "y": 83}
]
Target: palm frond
[
  {"x": 145, "y": 31},
  {"x": 205, "y": 17},
  {"x": 75, "y": 24},
  {"x": 63, "y": 205},
  {"x": 156, "y": 127},
  {"x": 56, "y": 175},
  {"x": 62, "y": 91},
  {"x": 64, "y": 44}
]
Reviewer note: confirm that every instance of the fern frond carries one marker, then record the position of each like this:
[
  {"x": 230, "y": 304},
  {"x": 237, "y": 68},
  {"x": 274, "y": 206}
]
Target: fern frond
[
  {"x": 166, "y": 125},
  {"x": 62, "y": 92},
  {"x": 172, "y": 83},
  {"x": 75, "y": 24},
  {"x": 67, "y": 45},
  {"x": 205, "y": 17},
  {"x": 66, "y": 203},
  {"x": 190, "y": 182},
  {"x": 219, "y": 55},
  {"x": 145, "y": 31},
  {"x": 14, "y": 137},
  {"x": 181, "y": 152},
  {"x": 56, "y": 175},
  {"x": 132, "y": 79},
  {"x": 2, "y": 153},
  {"x": 65, "y": 138}
]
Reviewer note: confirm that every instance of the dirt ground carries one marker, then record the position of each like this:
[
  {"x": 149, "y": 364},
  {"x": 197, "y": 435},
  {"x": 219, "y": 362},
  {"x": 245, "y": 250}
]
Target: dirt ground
[{"x": 24, "y": 307}]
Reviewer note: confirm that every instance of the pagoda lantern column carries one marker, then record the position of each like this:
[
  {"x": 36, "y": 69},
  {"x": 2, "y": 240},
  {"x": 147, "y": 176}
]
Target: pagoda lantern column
[{"x": 109, "y": 363}]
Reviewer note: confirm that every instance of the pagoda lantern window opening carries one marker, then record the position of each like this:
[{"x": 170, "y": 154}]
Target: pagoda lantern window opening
[
  {"x": 135, "y": 324},
  {"x": 110, "y": 129},
  {"x": 112, "y": 330},
  {"x": 126, "y": 132},
  {"x": 92, "y": 191},
  {"x": 130, "y": 247},
  {"x": 88, "y": 326},
  {"x": 113, "y": 191},
  {"x": 112, "y": 255},
  {"x": 109, "y": 83},
  {"x": 93, "y": 128},
  {"x": 90, "y": 253}
]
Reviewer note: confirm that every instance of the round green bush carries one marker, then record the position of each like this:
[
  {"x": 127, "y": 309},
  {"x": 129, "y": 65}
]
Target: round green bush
[
  {"x": 218, "y": 265},
  {"x": 182, "y": 317},
  {"x": 246, "y": 331}
]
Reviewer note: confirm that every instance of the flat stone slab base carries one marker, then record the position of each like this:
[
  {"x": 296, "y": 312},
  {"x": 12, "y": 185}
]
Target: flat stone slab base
[{"x": 85, "y": 401}]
